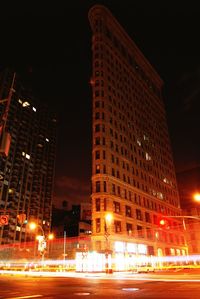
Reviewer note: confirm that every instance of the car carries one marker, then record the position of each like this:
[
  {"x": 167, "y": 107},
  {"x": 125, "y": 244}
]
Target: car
[{"x": 145, "y": 269}]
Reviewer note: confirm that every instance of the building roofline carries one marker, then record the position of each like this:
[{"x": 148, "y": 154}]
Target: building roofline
[{"x": 139, "y": 55}]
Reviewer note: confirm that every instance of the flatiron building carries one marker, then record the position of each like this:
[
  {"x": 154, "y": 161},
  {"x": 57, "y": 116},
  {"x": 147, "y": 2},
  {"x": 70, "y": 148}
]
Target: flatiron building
[{"x": 133, "y": 174}]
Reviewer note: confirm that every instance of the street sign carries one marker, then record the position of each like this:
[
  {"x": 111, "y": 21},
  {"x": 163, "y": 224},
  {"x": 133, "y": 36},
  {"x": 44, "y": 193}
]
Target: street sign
[
  {"x": 41, "y": 243},
  {"x": 4, "y": 219}
]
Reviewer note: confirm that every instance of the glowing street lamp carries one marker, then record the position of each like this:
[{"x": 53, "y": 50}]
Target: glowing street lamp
[
  {"x": 196, "y": 197},
  {"x": 51, "y": 236},
  {"x": 32, "y": 225},
  {"x": 108, "y": 218}
]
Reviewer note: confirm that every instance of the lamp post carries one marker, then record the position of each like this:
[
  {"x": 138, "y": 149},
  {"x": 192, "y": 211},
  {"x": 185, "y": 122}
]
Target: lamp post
[
  {"x": 108, "y": 220},
  {"x": 40, "y": 238},
  {"x": 64, "y": 247},
  {"x": 50, "y": 238}
]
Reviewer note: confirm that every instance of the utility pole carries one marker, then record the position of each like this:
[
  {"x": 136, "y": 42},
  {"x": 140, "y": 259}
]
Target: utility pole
[{"x": 64, "y": 248}]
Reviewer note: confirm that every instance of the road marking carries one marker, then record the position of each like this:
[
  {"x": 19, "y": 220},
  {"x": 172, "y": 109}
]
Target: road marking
[
  {"x": 130, "y": 289},
  {"x": 82, "y": 294},
  {"x": 24, "y": 297}
]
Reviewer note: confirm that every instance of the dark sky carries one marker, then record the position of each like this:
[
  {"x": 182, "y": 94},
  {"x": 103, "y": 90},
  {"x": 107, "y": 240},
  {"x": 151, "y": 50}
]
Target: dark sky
[{"x": 50, "y": 43}]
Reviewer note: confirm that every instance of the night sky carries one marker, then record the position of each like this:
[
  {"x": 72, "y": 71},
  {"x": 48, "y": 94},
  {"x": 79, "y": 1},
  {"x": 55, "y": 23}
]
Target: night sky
[{"x": 50, "y": 44}]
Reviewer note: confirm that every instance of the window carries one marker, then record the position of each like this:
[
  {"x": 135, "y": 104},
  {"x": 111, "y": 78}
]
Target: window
[
  {"x": 97, "y": 140},
  {"x": 147, "y": 217},
  {"x": 140, "y": 231},
  {"x": 97, "y": 155},
  {"x": 149, "y": 233},
  {"x": 129, "y": 195},
  {"x": 117, "y": 226},
  {"x": 125, "y": 194},
  {"x": 98, "y": 186},
  {"x": 97, "y": 168},
  {"x": 97, "y": 128},
  {"x": 128, "y": 211},
  {"x": 97, "y": 115},
  {"x": 97, "y": 203},
  {"x": 118, "y": 190},
  {"x": 113, "y": 189},
  {"x": 97, "y": 104},
  {"x": 98, "y": 225},
  {"x": 105, "y": 204},
  {"x": 104, "y": 168},
  {"x": 138, "y": 214},
  {"x": 104, "y": 187},
  {"x": 129, "y": 228},
  {"x": 116, "y": 207}
]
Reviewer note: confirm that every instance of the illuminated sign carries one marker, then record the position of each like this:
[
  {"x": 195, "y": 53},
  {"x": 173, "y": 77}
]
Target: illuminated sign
[
  {"x": 131, "y": 247},
  {"x": 119, "y": 246},
  {"x": 142, "y": 249}
]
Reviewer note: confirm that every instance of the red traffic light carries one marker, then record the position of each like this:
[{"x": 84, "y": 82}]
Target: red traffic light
[{"x": 162, "y": 222}]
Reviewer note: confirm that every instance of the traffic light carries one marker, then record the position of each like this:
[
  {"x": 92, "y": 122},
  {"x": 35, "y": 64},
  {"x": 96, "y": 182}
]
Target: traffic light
[
  {"x": 162, "y": 222},
  {"x": 21, "y": 218}
]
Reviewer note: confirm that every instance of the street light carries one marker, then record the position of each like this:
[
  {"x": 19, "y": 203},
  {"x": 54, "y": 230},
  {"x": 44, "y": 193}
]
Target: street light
[
  {"x": 40, "y": 238},
  {"x": 51, "y": 236},
  {"x": 196, "y": 196},
  {"x": 108, "y": 220}
]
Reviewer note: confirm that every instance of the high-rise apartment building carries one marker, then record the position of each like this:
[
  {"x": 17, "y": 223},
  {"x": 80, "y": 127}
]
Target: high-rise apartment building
[
  {"x": 27, "y": 172},
  {"x": 133, "y": 175}
]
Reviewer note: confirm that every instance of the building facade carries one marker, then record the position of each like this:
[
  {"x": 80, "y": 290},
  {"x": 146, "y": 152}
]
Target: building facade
[
  {"x": 27, "y": 172},
  {"x": 133, "y": 175}
]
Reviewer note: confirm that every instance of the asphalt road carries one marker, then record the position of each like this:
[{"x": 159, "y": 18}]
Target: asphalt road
[{"x": 22, "y": 287}]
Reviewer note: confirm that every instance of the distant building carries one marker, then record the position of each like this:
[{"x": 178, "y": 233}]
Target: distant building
[
  {"x": 27, "y": 173},
  {"x": 133, "y": 175},
  {"x": 189, "y": 185},
  {"x": 75, "y": 222},
  {"x": 72, "y": 230}
]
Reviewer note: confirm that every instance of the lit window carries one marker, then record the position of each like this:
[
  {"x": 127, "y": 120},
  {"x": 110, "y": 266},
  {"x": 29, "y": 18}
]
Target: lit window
[
  {"x": 20, "y": 101},
  {"x": 25, "y": 104},
  {"x": 98, "y": 225},
  {"x": 148, "y": 157},
  {"x": 160, "y": 195},
  {"x": 23, "y": 153},
  {"x": 139, "y": 142},
  {"x": 28, "y": 156},
  {"x": 47, "y": 140},
  {"x": 18, "y": 229},
  {"x": 34, "y": 109}
]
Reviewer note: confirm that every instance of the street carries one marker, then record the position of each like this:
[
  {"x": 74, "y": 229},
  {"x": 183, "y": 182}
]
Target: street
[{"x": 97, "y": 286}]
